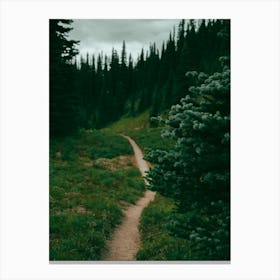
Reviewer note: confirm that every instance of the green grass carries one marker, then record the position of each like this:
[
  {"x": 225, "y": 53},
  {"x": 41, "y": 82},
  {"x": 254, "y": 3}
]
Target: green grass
[
  {"x": 91, "y": 143},
  {"x": 139, "y": 129},
  {"x": 130, "y": 123},
  {"x": 86, "y": 195},
  {"x": 157, "y": 243},
  {"x": 149, "y": 138},
  {"x": 90, "y": 185}
]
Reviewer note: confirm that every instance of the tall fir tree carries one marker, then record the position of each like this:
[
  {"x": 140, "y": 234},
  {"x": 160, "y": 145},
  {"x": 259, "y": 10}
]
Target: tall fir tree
[
  {"x": 155, "y": 82},
  {"x": 196, "y": 171},
  {"x": 63, "y": 101}
]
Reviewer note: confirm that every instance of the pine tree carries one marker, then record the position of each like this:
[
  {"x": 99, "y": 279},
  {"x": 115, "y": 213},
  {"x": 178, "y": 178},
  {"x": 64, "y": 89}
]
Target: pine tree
[
  {"x": 63, "y": 102},
  {"x": 124, "y": 83},
  {"x": 195, "y": 172},
  {"x": 156, "y": 81},
  {"x": 131, "y": 87},
  {"x": 123, "y": 56}
]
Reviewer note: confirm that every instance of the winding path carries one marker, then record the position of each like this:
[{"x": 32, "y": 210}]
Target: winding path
[{"x": 126, "y": 241}]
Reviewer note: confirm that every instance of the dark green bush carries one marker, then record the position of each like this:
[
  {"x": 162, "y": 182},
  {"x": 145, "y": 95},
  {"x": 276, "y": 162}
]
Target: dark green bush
[{"x": 195, "y": 171}]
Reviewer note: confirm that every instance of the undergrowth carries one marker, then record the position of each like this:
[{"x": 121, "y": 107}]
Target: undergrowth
[{"x": 157, "y": 243}]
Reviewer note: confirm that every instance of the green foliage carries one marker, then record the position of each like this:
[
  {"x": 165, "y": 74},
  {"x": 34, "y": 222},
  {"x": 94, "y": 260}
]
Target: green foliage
[
  {"x": 157, "y": 243},
  {"x": 86, "y": 199},
  {"x": 98, "y": 94},
  {"x": 163, "y": 239},
  {"x": 150, "y": 138},
  {"x": 130, "y": 123},
  {"x": 206, "y": 229},
  {"x": 63, "y": 118},
  {"x": 195, "y": 171},
  {"x": 75, "y": 237},
  {"x": 139, "y": 129},
  {"x": 92, "y": 143}
]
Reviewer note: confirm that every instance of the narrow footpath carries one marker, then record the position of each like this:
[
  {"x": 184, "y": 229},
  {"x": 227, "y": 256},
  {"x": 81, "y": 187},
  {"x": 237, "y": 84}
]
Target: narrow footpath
[{"x": 126, "y": 241}]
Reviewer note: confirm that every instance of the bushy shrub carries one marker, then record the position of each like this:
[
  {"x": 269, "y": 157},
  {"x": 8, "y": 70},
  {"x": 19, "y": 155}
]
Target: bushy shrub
[{"x": 196, "y": 170}]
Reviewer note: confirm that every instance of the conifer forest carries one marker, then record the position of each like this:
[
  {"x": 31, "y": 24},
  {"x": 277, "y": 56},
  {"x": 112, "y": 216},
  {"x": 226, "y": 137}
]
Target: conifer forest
[{"x": 116, "y": 118}]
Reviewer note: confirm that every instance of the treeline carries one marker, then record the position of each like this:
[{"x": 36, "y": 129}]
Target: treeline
[{"x": 96, "y": 91}]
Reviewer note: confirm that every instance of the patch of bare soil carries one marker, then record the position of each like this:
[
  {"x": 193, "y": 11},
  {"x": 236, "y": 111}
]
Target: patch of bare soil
[
  {"x": 80, "y": 210},
  {"x": 123, "y": 162}
]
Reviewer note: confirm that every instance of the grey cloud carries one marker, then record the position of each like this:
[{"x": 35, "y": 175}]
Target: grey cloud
[{"x": 101, "y": 35}]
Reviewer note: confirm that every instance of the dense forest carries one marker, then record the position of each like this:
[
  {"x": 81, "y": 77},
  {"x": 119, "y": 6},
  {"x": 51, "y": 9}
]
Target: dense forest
[
  {"x": 183, "y": 91},
  {"x": 96, "y": 91}
]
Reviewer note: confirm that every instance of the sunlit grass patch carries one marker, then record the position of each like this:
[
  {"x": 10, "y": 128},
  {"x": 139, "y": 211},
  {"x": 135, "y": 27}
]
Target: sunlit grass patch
[{"x": 130, "y": 123}]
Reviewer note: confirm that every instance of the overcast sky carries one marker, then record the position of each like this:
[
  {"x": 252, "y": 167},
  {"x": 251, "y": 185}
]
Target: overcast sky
[{"x": 101, "y": 35}]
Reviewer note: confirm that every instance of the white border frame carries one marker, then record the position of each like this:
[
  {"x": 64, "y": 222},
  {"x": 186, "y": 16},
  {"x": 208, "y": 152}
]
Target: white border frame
[{"x": 254, "y": 127}]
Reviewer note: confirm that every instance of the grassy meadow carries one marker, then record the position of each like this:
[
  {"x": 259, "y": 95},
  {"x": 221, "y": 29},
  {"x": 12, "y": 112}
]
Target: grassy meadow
[
  {"x": 92, "y": 178},
  {"x": 139, "y": 129}
]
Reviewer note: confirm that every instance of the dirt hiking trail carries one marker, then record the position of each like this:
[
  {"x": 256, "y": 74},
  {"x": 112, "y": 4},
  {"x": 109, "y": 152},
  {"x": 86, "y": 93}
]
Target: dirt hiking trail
[{"x": 126, "y": 241}]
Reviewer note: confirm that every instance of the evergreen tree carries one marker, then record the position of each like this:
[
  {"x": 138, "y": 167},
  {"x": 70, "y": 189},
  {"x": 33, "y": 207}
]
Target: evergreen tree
[
  {"x": 195, "y": 172},
  {"x": 124, "y": 83},
  {"x": 131, "y": 87},
  {"x": 123, "y": 56},
  {"x": 141, "y": 82},
  {"x": 99, "y": 81},
  {"x": 63, "y": 102},
  {"x": 155, "y": 82}
]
